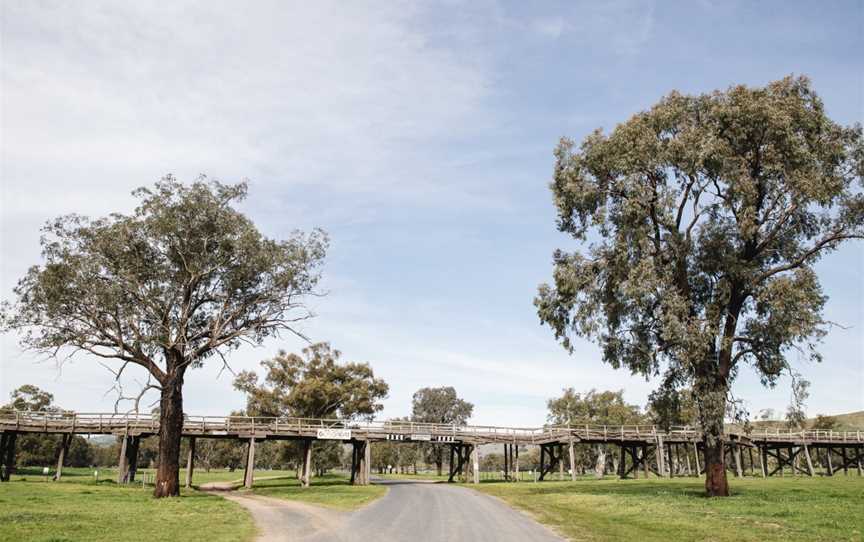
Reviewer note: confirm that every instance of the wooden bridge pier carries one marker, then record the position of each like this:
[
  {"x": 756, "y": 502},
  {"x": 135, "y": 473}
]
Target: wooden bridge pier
[
  {"x": 62, "y": 451},
  {"x": 784, "y": 456},
  {"x": 555, "y": 459},
  {"x": 638, "y": 453},
  {"x": 511, "y": 462},
  {"x": 660, "y": 455},
  {"x": 360, "y": 462},
  {"x": 249, "y": 471},
  {"x": 128, "y": 460},
  {"x": 464, "y": 462},
  {"x": 190, "y": 461},
  {"x": 508, "y": 460},
  {"x": 855, "y": 459},
  {"x": 7, "y": 454},
  {"x": 306, "y": 468}
]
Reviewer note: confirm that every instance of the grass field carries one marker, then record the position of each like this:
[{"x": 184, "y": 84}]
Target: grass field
[
  {"x": 199, "y": 476},
  {"x": 418, "y": 476},
  {"x": 672, "y": 510},
  {"x": 82, "y": 509},
  {"x": 331, "y": 490}
]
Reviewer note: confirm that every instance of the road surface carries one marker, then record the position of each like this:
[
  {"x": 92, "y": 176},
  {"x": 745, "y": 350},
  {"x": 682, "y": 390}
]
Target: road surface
[{"x": 410, "y": 510}]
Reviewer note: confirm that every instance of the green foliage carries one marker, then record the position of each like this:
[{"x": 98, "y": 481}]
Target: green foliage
[
  {"x": 39, "y": 449},
  {"x": 701, "y": 220},
  {"x": 593, "y": 407},
  {"x": 796, "y": 414},
  {"x": 183, "y": 279},
  {"x": 439, "y": 405},
  {"x": 391, "y": 456},
  {"x": 184, "y": 276},
  {"x": 31, "y": 398},
  {"x": 669, "y": 406},
  {"x": 705, "y": 204},
  {"x": 825, "y": 423},
  {"x": 314, "y": 385}
]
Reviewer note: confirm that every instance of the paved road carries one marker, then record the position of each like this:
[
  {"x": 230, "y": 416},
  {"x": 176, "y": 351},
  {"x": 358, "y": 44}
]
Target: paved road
[{"x": 410, "y": 511}]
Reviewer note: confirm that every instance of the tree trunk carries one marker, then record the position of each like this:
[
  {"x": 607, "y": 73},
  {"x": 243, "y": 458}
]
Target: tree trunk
[
  {"x": 307, "y": 463},
  {"x": 712, "y": 410},
  {"x": 439, "y": 466},
  {"x": 170, "y": 431},
  {"x": 600, "y": 466}
]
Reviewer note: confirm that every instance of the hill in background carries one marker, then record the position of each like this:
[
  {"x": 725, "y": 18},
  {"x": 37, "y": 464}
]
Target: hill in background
[{"x": 851, "y": 421}]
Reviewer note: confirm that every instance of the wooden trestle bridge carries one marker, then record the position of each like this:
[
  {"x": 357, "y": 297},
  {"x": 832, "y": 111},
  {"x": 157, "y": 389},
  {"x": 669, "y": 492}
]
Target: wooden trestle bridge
[{"x": 645, "y": 448}]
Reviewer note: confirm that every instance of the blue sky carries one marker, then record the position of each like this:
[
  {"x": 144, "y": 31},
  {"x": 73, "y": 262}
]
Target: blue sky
[{"x": 418, "y": 135}]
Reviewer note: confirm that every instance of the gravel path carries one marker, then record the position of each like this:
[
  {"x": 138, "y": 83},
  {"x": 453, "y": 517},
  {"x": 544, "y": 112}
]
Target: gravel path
[{"x": 411, "y": 510}]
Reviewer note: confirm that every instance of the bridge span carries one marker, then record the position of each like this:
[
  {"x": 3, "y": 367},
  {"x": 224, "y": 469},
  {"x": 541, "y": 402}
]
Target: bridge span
[{"x": 642, "y": 447}]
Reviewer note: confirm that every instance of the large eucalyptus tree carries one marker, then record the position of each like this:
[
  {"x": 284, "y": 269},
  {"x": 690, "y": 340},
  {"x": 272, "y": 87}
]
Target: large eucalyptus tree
[
  {"x": 700, "y": 221},
  {"x": 182, "y": 280}
]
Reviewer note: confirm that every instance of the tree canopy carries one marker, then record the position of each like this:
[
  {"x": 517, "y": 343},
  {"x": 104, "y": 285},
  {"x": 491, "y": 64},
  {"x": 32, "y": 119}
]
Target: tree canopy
[
  {"x": 701, "y": 220},
  {"x": 30, "y": 398},
  {"x": 183, "y": 279},
  {"x": 439, "y": 405},
  {"x": 316, "y": 384},
  {"x": 593, "y": 407},
  {"x": 41, "y": 449}
]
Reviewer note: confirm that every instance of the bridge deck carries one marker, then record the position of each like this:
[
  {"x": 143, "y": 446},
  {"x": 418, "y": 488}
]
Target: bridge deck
[{"x": 296, "y": 428}]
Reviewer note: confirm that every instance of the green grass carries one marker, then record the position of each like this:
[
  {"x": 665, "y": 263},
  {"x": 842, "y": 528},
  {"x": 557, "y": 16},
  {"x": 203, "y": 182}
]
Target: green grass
[
  {"x": 418, "y": 476},
  {"x": 331, "y": 490},
  {"x": 81, "y": 509},
  {"x": 670, "y": 510},
  {"x": 201, "y": 477},
  {"x": 73, "y": 474}
]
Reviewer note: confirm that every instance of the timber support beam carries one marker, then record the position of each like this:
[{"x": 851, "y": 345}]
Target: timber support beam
[
  {"x": 459, "y": 461},
  {"x": 190, "y": 462},
  {"x": 361, "y": 458},
  {"x": 7, "y": 454},
  {"x": 853, "y": 460},
  {"x": 62, "y": 452},
  {"x": 550, "y": 457},
  {"x": 127, "y": 463},
  {"x": 249, "y": 473},
  {"x": 782, "y": 460}
]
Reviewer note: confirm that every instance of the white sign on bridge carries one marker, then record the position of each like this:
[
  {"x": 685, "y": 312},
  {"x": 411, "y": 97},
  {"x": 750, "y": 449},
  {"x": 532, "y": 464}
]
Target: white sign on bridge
[
  {"x": 334, "y": 434},
  {"x": 421, "y": 437}
]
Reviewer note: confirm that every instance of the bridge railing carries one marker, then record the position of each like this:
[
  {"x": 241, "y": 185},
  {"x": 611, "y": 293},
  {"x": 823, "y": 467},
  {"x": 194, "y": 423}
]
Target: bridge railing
[
  {"x": 100, "y": 421},
  {"x": 822, "y": 435}
]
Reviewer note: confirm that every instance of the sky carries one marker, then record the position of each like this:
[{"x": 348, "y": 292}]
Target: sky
[{"x": 420, "y": 137}]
